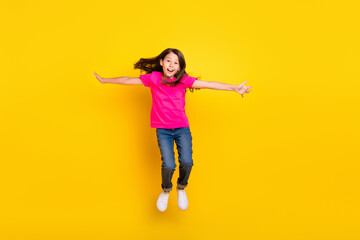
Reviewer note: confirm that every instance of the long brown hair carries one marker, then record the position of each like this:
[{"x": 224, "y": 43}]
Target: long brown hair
[{"x": 153, "y": 64}]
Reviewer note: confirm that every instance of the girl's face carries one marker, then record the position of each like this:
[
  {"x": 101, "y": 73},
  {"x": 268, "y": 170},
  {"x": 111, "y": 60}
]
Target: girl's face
[{"x": 170, "y": 65}]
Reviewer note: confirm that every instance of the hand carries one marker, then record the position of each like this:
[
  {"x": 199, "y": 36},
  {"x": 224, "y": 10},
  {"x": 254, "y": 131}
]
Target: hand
[
  {"x": 99, "y": 78},
  {"x": 242, "y": 89}
]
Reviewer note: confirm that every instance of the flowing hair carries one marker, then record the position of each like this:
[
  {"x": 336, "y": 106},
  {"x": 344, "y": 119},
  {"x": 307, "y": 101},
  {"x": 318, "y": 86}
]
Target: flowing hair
[{"x": 153, "y": 64}]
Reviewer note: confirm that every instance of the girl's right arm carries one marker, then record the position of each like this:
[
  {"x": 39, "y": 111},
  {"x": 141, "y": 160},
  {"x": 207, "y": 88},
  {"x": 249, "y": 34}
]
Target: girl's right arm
[{"x": 120, "y": 80}]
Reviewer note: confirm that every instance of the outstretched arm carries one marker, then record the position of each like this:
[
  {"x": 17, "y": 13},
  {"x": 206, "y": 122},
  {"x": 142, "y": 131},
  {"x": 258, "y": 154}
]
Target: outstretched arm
[
  {"x": 241, "y": 89},
  {"x": 120, "y": 80}
]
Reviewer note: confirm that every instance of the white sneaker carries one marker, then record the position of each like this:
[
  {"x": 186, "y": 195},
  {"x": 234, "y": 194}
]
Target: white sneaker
[
  {"x": 182, "y": 199},
  {"x": 162, "y": 201}
]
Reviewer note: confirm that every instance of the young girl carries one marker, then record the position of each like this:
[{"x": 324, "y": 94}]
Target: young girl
[{"x": 167, "y": 80}]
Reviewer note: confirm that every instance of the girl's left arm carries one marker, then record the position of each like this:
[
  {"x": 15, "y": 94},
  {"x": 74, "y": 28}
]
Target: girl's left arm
[{"x": 241, "y": 89}]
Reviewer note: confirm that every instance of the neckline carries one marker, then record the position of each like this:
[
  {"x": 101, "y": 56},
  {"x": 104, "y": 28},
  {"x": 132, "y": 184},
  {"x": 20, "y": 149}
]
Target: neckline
[{"x": 167, "y": 79}]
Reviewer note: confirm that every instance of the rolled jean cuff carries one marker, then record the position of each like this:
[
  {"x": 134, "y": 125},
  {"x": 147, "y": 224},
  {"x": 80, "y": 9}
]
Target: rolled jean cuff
[
  {"x": 167, "y": 189},
  {"x": 181, "y": 186}
]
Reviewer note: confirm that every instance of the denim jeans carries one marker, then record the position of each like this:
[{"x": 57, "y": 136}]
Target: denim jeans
[{"x": 183, "y": 139}]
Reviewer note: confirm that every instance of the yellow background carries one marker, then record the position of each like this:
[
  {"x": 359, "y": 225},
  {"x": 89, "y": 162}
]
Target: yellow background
[{"x": 80, "y": 161}]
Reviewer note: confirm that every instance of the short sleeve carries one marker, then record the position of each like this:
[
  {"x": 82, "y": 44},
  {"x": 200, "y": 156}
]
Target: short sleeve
[
  {"x": 146, "y": 79},
  {"x": 188, "y": 81}
]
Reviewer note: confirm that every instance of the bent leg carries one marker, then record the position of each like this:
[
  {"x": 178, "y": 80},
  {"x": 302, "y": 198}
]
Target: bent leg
[
  {"x": 166, "y": 146},
  {"x": 183, "y": 141}
]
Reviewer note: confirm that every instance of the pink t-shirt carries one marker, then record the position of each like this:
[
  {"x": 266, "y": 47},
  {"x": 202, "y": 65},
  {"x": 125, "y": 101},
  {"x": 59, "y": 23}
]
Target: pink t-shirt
[{"x": 168, "y": 105}]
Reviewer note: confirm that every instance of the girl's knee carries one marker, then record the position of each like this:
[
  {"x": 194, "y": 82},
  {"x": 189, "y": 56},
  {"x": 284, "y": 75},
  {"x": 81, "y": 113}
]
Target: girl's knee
[
  {"x": 186, "y": 163},
  {"x": 169, "y": 165}
]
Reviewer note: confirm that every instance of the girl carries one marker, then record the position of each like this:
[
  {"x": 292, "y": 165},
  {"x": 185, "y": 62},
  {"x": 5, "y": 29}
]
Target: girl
[{"x": 167, "y": 79}]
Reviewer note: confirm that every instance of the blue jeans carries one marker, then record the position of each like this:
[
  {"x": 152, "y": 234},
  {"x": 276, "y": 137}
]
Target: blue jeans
[{"x": 183, "y": 139}]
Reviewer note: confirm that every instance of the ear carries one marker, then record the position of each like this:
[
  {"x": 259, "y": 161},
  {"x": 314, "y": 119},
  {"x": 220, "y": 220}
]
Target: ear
[{"x": 161, "y": 62}]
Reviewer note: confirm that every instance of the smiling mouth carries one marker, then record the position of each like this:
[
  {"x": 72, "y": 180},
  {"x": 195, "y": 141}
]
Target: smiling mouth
[{"x": 170, "y": 70}]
